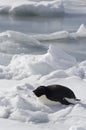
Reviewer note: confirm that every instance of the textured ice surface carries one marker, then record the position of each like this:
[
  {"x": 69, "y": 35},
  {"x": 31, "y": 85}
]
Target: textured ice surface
[
  {"x": 42, "y": 8},
  {"x": 22, "y": 73}
]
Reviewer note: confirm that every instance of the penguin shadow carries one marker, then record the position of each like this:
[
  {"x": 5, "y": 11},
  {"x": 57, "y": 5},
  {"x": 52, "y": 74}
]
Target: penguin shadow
[{"x": 57, "y": 108}]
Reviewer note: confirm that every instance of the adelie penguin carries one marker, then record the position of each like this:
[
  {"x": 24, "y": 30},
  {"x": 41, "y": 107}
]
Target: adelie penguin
[{"x": 55, "y": 94}]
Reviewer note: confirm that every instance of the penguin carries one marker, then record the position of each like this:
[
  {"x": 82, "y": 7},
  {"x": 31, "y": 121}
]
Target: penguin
[{"x": 55, "y": 94}]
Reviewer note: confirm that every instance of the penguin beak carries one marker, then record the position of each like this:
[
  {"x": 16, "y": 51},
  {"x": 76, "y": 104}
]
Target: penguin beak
[
  {"x": 33, "y": 91},
  {"x": 36, "y": 93}
]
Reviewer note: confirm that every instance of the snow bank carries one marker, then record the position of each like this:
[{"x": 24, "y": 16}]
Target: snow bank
[
  {"x": 19, "y": 104},
  {"x": 17, "y": 101},
  {"x": 15, "y": 42},
  {"x": 80, "y": 33},
  {"x": 52, "y": 36},
  {"x": 76, "y": 128},
  {"x": 42, "y": 8},
  {"x": 54, "y": 62},
  {"x": 12, "y": 125},
  {"x": 75, "y": 7},
  {"x": 22, "y": 66},
  {"x": 12, "y": 42},
  {"x": 18, "y": 37},
  {"x": 22, "y": 105},
  {"x": 32, "y": 8}
]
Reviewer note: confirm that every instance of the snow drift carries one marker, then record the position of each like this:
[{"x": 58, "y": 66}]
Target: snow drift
[{"x": 23, "y": 65}]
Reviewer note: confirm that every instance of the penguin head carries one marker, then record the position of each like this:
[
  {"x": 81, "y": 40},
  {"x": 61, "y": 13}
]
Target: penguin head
[{"x": 40, "y": 91}]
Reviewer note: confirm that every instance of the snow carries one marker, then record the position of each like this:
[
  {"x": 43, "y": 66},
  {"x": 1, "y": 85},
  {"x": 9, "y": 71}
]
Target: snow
[
  {"x": 22, "y": 66},
  {"x": 12, "y": 125},
  {"x": 12, "y": 42},
  {"x": 25, "y": 72},
  {"x": 33, "y": 40},
  {"x": 18, "y": 102},
  {"x": 21, "y": 71},
  {"x": 42, "y": 8},
  {"x": 32, "y": 8},
  {"x": 80, "y": 33}
]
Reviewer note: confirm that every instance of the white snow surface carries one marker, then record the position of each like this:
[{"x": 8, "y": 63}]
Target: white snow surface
[
  {"x": 42, "y": 8},
  {"x": 25, "y": 72}
]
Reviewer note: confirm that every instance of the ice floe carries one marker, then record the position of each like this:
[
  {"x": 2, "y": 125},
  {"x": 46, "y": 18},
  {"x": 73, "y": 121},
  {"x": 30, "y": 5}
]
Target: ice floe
[{"x": 42, "y": 8}]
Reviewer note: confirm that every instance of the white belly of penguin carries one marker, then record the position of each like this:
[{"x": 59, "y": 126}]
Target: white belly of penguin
[{"x": 43, "y": 99}]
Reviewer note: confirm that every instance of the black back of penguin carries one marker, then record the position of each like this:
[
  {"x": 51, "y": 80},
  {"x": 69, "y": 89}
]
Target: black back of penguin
[{"x": 57, "y": 92}]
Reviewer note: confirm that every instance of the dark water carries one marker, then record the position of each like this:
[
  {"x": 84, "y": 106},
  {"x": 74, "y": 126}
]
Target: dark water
[{"x": 41, "y": 24}]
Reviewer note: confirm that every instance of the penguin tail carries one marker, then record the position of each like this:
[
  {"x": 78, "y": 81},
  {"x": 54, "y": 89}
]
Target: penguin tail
[
  {"x": 72, "y": 101},
  {"x": 77, "y": 101}
]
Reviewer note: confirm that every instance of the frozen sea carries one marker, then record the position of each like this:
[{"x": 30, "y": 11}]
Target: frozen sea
[
  {"x": 35, "y": 25},
  {"x": 42, "y": 43}
]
